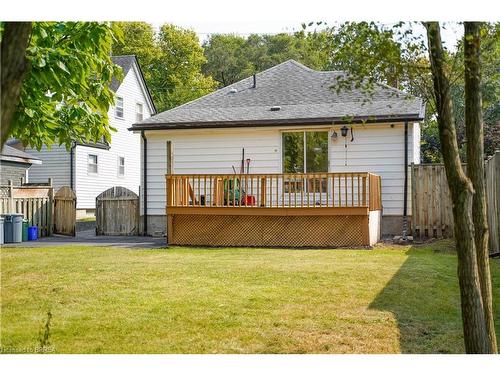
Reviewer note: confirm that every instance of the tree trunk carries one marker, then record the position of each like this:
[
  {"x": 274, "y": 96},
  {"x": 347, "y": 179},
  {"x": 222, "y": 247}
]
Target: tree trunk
[
  {"x": 475, "y": 168},
  {"x": 473, "y": 320},
  {"x": 14, "y": 67}
]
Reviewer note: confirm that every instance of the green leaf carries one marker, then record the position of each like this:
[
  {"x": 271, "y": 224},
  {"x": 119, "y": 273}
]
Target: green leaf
[
  {"x": 62, "y": 66},
  {"x": 29, "y": 112}
]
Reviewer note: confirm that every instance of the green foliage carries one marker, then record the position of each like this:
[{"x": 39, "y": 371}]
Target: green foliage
[
  {"x": 170, "y": 59},
  {"x": 66, "y": 95},
  {"x": 490, "y": 57},
  {"x": 138, "y": 39},
  {"x": 231, "y": 58},
  {"x": 397, "y": 56},
  {"x": 178, "y": 77}
]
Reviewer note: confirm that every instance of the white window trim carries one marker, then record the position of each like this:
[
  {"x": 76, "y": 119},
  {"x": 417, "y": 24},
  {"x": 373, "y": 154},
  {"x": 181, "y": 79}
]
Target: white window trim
[
  {"x": 137, "y": 113},
  {"x": 122, "y": 107},
  {"x": 118, "y": 169},
  {"x": 96, "y": 164}
]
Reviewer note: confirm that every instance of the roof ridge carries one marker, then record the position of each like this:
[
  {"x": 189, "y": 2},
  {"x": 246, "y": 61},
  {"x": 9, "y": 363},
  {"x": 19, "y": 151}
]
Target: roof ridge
[
  {"x": 228, "y": 87},
  {"x": 225, "y": 88}
]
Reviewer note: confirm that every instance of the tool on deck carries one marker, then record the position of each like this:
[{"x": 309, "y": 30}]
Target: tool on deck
[
  {"x": 242, "y": 169},
  {"x": 248, "y": 166}
]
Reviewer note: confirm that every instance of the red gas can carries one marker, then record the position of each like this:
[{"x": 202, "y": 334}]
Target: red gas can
[{"x": 248, "y": 200}]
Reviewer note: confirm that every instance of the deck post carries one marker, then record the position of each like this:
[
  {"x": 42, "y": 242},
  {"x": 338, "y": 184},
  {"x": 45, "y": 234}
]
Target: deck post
[
  {"x": 263, "y": 188},
  {"x": 170, "y": 228}
]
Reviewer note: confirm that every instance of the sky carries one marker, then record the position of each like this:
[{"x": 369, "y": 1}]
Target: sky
[{"x": 256, "y": 16}]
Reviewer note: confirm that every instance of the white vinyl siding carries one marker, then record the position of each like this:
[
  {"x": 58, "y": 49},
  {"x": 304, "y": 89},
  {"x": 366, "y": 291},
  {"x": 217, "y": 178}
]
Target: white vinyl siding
[
  {"x": 377, "y": 148},
  {"x": 124, "y": 143}
]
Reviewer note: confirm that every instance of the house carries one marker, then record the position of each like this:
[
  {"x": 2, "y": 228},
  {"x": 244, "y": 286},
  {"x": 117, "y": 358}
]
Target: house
[
  {"x": 92, "y": 168},
  {"x": 303, "y": 141},
  {"x": 14, "y": 165}
]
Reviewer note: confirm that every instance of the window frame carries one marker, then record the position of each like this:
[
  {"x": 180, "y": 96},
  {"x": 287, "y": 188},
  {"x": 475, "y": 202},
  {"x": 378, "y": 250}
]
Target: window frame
[
  {"x": 96, "y": 164},
  {"x": 122, "y": 107},
  {"x": 121, "y": 166},
  {"x": 304, "y": 131},
  {"x": 137, "y": 105},
  {"x": 302, "y": 186}
]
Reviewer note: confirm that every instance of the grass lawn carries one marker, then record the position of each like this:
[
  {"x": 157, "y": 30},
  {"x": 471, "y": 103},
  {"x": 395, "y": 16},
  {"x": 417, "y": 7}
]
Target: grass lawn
[{"x": 184, "y": 300}]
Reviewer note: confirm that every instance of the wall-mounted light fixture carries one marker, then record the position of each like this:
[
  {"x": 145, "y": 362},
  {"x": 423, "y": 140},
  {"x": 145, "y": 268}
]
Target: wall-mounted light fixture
[
  {"x": 334, "y": 136},
  {"x": 344, "y": 129}
]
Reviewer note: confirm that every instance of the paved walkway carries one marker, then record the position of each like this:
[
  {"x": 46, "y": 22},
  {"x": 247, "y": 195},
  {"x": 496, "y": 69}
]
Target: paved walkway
[{"x": 88, "y": 238}]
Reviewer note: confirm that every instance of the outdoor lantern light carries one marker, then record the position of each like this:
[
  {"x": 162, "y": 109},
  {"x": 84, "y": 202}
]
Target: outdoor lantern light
[{"x": 344, "y": 129}]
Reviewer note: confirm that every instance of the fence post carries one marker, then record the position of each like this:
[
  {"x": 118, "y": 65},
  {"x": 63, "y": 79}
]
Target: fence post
[
  {"x": 51, "y": 210},
  {"x": 11, "y": 196}
]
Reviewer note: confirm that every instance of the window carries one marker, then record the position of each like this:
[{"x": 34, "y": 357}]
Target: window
[
  {"x": 119, "y": 107},
  {"x": 138, "y": 112},
  {"x": 305, "y": 152},
  {"x": 121, "y": 166},
  {"x": 92, "y": 164}
]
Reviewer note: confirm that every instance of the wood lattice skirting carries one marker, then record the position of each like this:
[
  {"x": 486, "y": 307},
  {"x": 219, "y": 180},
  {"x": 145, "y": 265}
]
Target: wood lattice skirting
[{"x": 268, "y": 231}]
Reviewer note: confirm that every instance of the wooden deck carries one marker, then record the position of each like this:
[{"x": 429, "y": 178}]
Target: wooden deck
[{"x": 306, "y": 209}]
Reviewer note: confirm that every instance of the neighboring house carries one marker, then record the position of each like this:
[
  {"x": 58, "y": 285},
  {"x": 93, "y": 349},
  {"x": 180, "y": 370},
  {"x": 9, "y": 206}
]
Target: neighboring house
[
  {"x": 14, "y": 165},
  {"x": 92, "y": 168},
  {"x": 282, "y": 112}
]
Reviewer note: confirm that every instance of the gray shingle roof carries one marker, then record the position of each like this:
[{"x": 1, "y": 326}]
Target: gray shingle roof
[
  {"x": 304, "y": 95},
  {"x": 125, "y": 62},
  {"x": 9, "y": 152}
]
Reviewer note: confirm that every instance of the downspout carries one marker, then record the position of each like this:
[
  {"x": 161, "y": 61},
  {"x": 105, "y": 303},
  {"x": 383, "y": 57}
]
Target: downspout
[
  {"x": 405, "y": 193},
  {"x": 71, "y": 166},
  {"x": 145, "y": 182}
]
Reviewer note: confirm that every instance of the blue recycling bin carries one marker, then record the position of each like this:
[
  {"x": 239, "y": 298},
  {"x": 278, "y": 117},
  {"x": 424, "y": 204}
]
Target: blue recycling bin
[
  {"x": 13, "y": 228},
  {"x": 32, "y": 233}
]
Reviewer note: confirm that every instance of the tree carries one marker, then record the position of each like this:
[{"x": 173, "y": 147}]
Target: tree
[
  {"x": 177, "y": 76},
  {"x": 65, "y": 95},
  {"x": 14, "y": 66},
  {"x": 139, "y": 39},
  {"x": 395, "y": 55},
  {"x": 226, "y": 62},
  {"x": 475, "y": 167},
  {"x": 461, "y": 189},
  {"x": 231, "y": 58},
  {"x": 171, "y": 60}
]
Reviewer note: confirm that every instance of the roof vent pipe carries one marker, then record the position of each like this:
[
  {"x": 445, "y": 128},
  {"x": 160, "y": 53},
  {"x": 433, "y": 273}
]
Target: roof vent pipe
[{"x": 254, "y": 80}]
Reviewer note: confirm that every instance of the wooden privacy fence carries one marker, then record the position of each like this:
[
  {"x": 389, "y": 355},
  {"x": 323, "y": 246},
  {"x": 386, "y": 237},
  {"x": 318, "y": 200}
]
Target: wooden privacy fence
[
  {"x": 65, "y": 211},
  {"x": 35, "y": 202},
  {"x": 117, "y": 212},
  {"x": 432, "y": 214},
  {"x": 299, "y": 190}
]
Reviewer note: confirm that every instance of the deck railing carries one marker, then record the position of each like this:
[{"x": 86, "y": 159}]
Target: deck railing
[{"x": 299, "y": 190}]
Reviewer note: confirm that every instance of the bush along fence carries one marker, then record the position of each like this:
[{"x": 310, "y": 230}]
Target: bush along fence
[
  {"x": 432, "y": 215},
  {"x": 34, "y": 201}
]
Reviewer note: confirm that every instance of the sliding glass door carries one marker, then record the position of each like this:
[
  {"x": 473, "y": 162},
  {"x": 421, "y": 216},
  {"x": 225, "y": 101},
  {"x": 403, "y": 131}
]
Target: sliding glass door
[{"x": 305, "y": 152}]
